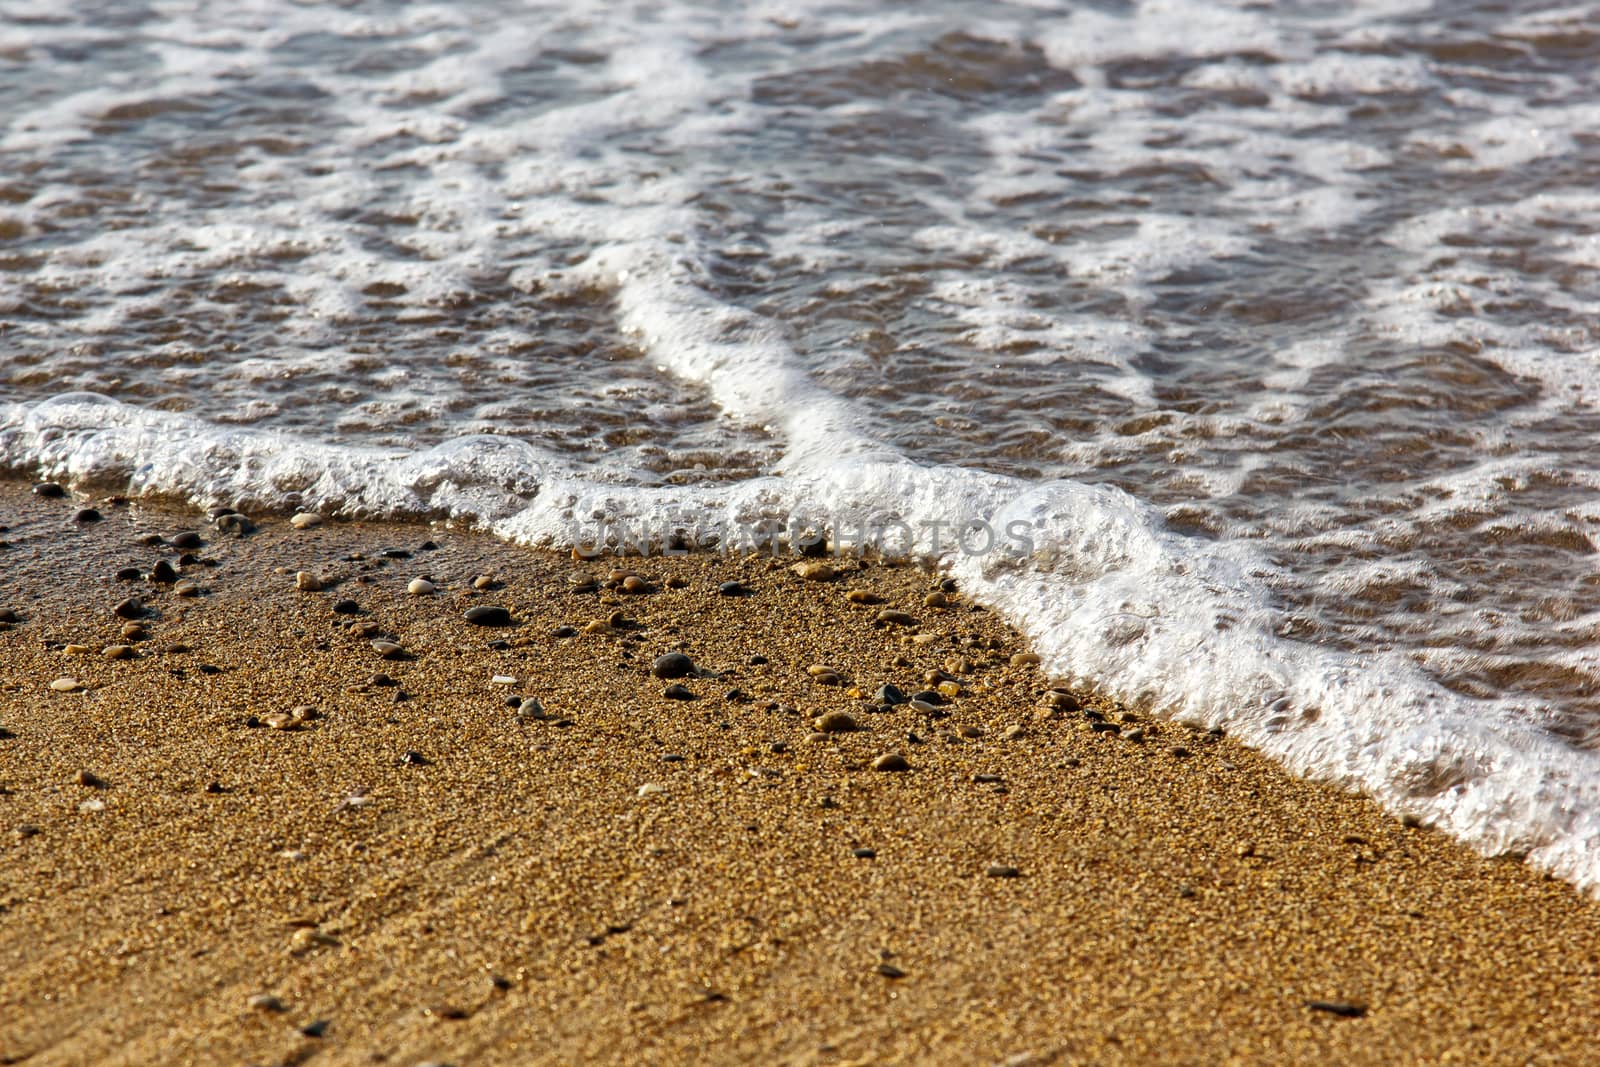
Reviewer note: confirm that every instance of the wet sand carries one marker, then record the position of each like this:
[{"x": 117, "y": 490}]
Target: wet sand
[{"x": 418, "y": 872}]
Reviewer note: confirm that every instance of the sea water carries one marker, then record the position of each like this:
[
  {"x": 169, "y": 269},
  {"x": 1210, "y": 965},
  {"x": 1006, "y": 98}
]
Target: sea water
[{"x": 1242, "y": 354}]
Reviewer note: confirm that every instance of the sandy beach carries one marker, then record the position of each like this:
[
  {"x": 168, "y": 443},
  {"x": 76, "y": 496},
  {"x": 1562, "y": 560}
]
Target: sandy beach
[{"x": 233, "y": 829}]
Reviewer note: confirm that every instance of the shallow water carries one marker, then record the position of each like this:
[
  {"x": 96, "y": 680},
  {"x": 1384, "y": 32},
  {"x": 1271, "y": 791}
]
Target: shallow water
[{"x": 1273, "y": 327}]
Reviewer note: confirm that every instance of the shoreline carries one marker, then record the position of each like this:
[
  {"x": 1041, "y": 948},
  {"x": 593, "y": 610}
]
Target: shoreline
[{"x": 416, "y": 871}]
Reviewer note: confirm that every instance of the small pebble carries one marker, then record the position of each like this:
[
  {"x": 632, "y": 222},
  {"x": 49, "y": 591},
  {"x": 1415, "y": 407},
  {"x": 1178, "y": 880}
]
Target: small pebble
[
  {"x": 564, "y": 631},
  {"x": 132, "y": 631},
  {"x": 971, "y": 733},
  {"x": 503, "y": 679},
  {"x": 635, "y": 584},
  {"x": 420, "y": 587},
  {"x": 1025, "y": 659},
  {"x": 163, "y": 572},
  {"x": 936, "y": 600},
  {"x": 891, "y": 761},
  {"x": 1343, "y": 1008},
  {"x": 1001, "y": 870},
  {"x": 482, "y": 582},
  {"x": 650, "y": 789},
  {"x": 1014, "y": 732},
  {"x": 65, "y": 685},
  {"x": 411, "y": 757},
  {"x": 890, "y": 695},
  {"x": 76, "y": 649},
  {"x": 678, "y": 692},
  {"x": 234, "y": 523},
  {"x": 488, "y": 615},
  {"x": 187, "y": 588},
  {"x": 889, "y": 970},
  {"x": 862, "y": 596},
  {"x": 345, "y": 607},
  {"x": 306, "y": 581},
  {"x": 131, "y": 608},
  {"x": 90, "y": 779},
  {"x": 381, "y": 679},
  {"x": 864, "y": 853},
  {"x": 49, "y": 490},
  {"x": 129, "y": 574},
  {"x": 896, "y": 618},
  {"x": 599, "y": 626},
  {"x": 815, "y": 571},
  {"x": 83, "y": 515},
  {"x": 119, "y": 652},
  {"x": 187, "y": 539},
  {"x": 265, "y": 1002},
  {"x": 836, "y": 722},
  {"x": 388, "y": 649},
  {"x": 732, "y": 589},
  {"x": 673, "y": 665},
  {"x": 305, "y": 520}
]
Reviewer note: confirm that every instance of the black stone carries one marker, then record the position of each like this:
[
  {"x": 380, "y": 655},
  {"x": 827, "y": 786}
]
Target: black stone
[
  {"x": 130, "y": 608},
  {"x": 488, "y": 615},
  {"x": 129, "y": 574},
  {"x": 888, "y": 694},
  {"x": 236, "y": 524},
  {"x": 678, "y": 692},
  {"x": 86, "y": 515},
  {"x": 864, "y": 853},
  {"x": 564, "y": 631},
  {"x": 163, "y": 572},
  {"x": 929, "y": 696},
  {"x": 732, "y": 589},
  {"x": 396, "y": 553},
  {"x": 1343, "y": 1008},
  {"x": 345, "y": 607},
  {"x": 49, "y": 490},
  {"x": 186, "y": 539},
  {"x": 673, "y": 665},
  {"x": 414, "y": 758},
  {"x": 499, "y": 646}
]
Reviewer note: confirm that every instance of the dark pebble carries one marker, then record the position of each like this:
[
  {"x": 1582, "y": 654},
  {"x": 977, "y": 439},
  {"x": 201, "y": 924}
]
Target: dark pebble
[
  {"x": 499, "y": 646},
  {"x": 757, "y": 660},
  {"x": 152, "y": 540},
  {"x": 1001, "y": 870},
  {"x": 381, "y": 679},
  {"x": 427, "y": 546},
  {"x": 235, "y": 523},
  {"x": 736, "y": 696},
  {"x": 929, "y": 696},
  {"x": 488, "y": 615},
  {"x": 8, "y": 615},
  {"x": 672, "y": 665},
  {"x": 1342, "y": 1008},
  {"x": 186, "y": 539},
  {"x": 914, "y": 739},
  {"x": 732, "y": 589},
  {"x": 216, "y": 513},
  {"x": 86, "y": 515},
  {"x": 129, "y": 574},
  {"x": 189, "y": 559},
  {"x": 163, "y": 572},
  {"x": 889, "y": 970},
  {"x": 513, "y": 702},
  {"x": 215, "y": 788},
  {"x": 678, "y": 692},
  {"x": 888, "y": 694},
  {"x": 864, "y": 853},
  {"x": 316, "y": 1029},
  {"x": 1105, "y": 727},
  {"x": 130, "y": 608},
  {"x": 671, "y": 757},
  {"x": 396, "y": 553},
  {"x": 778, "y": 747},
  {"x": 564, "y": 631},
  {"x": 414, "y": 758},
  {"x": 345, "y": 607},
  {"x": 49, "y": 490}
]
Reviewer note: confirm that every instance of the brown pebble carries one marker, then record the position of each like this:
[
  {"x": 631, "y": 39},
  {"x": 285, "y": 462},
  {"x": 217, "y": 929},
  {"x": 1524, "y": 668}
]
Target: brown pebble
[
  {"x": 1001, "y": 870},
  {"x": 836, "y": 722},
  {"x": 119, "y": 652},
  {"x": 482, "y": 582},
  {"x": 186, "y": 587},
  {"x": 936, "y": 600},
  {"x": 634, "y": 584},
  {"x": 307, "y": 582},
  {"x": 90, "y": 779},
  {"x": 896, "y": 618},
  {"x": 972, "y": 733},
  {"x": 1025, "y": 659},
  {"x": 132, "y": 631},
  {"x": 815, "y": 571},
  {"x": 862, "y": 596},
  {"x": 388, "y": 649},
  {"x": 599, "y": 626},
  {"x": 131, "y": 608},
  {"x": 891, "y": 761}
]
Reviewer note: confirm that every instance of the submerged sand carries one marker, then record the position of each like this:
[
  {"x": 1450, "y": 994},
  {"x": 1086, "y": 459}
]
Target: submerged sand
[{"x": 419, "y": 872}]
